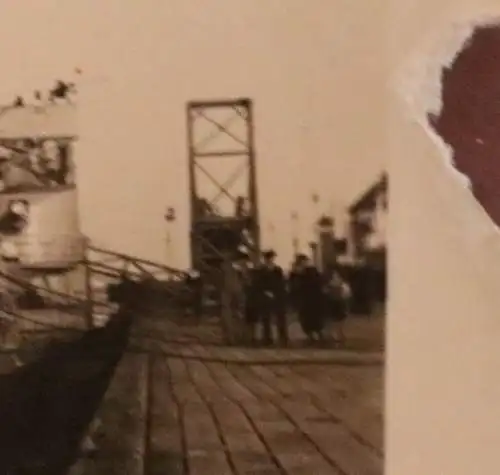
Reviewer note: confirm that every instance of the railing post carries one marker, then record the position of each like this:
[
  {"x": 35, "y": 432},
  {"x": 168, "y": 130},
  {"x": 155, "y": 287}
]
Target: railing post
[
  {"x": 226, "y": 301},
  {"x": 89, "y": 294}
]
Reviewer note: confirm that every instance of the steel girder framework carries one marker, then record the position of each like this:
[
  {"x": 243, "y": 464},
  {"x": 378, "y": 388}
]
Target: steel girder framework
[{"x": 215, "y": 237}]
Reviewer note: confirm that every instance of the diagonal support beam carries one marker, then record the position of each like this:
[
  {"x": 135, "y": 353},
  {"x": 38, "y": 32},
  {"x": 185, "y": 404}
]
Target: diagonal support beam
[
  {"x": 222, "y": 128},
  {"x": 215, "y": 182},
  {"x": 230, "y": 182},
  {"x": 215, "y": 133}
]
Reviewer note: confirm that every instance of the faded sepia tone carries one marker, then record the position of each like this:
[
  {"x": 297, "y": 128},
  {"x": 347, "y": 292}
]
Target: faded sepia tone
[
  {"x": 140, "y": 65},
  {"x": 193, "y": 275},
  {"x": 442, "y": 390}
]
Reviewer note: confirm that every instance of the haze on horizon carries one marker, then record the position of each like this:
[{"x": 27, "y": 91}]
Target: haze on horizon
[{"x": 314, "y": 70}]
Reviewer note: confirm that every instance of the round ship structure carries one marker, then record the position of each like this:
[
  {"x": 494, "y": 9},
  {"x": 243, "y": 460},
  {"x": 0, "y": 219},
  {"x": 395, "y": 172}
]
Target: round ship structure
[{"x": 39, "y": 219}]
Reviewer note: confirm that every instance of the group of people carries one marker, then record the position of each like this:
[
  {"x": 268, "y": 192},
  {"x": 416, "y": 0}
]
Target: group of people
[{"x": 269, "y": 296}]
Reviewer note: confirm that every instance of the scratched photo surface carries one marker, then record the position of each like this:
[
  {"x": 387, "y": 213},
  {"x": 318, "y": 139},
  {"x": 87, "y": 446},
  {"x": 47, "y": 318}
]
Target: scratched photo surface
[{"x": 193, "y": 209}]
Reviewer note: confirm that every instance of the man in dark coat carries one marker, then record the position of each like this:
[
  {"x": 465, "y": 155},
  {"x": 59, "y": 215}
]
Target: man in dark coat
[
  {"x": 272, "y": 291},
  {"x": 293, "y": 279},
  {"x": 309, "y": 298}
]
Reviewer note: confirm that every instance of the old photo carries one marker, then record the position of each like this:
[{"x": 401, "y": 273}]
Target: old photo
[{"x": 193, "y": 242}]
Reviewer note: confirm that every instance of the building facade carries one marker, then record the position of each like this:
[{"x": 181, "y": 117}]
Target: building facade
[{"x": 368, "y": 225}]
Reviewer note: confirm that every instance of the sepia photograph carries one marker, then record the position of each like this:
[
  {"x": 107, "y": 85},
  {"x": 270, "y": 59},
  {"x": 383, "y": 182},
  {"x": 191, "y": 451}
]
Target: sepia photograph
[{"x": 193, "y": 239}]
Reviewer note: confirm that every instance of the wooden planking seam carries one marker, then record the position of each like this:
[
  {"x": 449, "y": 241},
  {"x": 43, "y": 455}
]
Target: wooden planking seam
[
  {"x": 165, "y": 438},
  {"x": 297, "y": 451},
  {"x": 330, "y": 435},
  {"x": 365, "y": 427},
  {"x": 262, "y": 457},
  {"x": 205, "y": 451}
]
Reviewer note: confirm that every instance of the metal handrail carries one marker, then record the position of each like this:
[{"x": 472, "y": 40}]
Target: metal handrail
[
  {"x": 131, "y": 260},
  {"x": 26, "y": 285}
]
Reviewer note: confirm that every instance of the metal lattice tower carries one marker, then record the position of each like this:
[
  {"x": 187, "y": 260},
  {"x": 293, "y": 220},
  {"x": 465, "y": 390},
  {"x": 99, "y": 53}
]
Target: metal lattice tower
[{"x": 222, "y": 154}]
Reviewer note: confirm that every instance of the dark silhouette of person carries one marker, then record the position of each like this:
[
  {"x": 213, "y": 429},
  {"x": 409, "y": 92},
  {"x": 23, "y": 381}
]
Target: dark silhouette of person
[
  {"x": 293, "y": 284},
  {"x": 309, "y": 298},
  {"x": 249, "y": 276},
  {"x": 272, "y": 297}
]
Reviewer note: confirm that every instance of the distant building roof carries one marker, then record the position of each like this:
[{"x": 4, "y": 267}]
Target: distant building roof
[
  {"x": 367, "y": 199},
  {"x": 55, "y": 120}
]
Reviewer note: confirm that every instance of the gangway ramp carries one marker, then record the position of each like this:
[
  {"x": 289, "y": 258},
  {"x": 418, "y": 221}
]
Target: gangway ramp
[{"x": 62, "y": 366}]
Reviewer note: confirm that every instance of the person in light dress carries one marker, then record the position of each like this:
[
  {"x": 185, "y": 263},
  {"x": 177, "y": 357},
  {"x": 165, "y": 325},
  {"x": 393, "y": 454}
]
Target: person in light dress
[{"x": 337, "y": 297}]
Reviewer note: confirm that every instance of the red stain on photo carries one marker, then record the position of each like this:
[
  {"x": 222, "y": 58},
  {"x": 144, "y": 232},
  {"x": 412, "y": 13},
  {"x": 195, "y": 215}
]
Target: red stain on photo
[{"x": 470, "y": 117}]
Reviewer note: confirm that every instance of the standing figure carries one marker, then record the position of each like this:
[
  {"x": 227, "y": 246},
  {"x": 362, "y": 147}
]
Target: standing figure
[
  {"x": 237, "y": 287},
  {"x": 338, "y": 295},
  {"x": 309, "y": 298},
  {"x": 272, "y": 291},
  {"x": 233, "y": 298},
  {"x": 251, "y": 298},
  {"x": 292, "y": 285}
]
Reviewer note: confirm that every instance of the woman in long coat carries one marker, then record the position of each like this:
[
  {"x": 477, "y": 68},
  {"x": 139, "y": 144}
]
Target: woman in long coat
[{"x": 308, "y": 289}]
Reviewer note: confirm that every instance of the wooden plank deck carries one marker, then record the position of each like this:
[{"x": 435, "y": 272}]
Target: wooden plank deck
[
  {"x": 173, "y": 416},
  {"x": 182, "y": 403}
]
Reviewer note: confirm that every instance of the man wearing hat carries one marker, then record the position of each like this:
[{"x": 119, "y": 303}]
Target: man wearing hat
[{"x": 273, "y": 294}]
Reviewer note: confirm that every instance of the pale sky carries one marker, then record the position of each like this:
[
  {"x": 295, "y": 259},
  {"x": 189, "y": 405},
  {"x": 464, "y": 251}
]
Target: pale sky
[{"x": 313, "y": 68}]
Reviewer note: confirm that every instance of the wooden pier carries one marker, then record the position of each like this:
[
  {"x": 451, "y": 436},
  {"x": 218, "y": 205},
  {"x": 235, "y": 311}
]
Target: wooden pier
[{"x": 185, "y": 405}]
